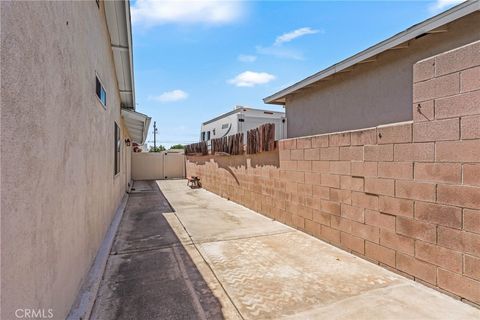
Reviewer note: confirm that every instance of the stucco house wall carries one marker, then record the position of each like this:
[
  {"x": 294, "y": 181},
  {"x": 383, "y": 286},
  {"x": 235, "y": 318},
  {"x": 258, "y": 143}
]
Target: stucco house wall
[
  {"x": 373, "y": 93},
  {"x": 58, "y": 189}
]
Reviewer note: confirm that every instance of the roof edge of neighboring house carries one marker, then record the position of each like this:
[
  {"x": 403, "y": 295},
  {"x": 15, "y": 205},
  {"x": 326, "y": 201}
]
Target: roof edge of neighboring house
[
  {"x": 425, "y": 27},
  {"x": 119, "y": 26},
  {"x": 137, "y": 124},
  {"x": 236, "y": 110}
]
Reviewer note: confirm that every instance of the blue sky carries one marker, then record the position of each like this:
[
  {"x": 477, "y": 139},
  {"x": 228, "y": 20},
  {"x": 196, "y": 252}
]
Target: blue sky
[{"x": 194, "y": 60}]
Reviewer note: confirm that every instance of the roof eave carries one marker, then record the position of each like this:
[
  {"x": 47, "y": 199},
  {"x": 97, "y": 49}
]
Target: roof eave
[
  {"x": 130, "y": 50},
  {"x": 120, "y": 30},
  {"x": 137, "y": 125}
]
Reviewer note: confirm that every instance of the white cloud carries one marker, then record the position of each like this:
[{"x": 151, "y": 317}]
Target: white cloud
[
  {"x": 170, "y": 96},
  {"x": 289, "y": 36},
  {"x": 280, "y": 52},
  {"x": 440, "y": 5},
  {"x": 246, "y": 58},
  {"x": 251, "y": 78},
  {"x": 154, "y": 12}
]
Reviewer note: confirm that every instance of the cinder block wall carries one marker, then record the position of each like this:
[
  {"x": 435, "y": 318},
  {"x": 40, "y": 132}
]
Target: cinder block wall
[{"x": 405, "y": 196}]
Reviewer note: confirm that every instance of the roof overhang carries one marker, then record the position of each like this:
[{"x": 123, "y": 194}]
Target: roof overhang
[
  {"x": 120, "y": 29},
  {"x": 137, "y": 124},
  {"x": 398, "y": 41}
]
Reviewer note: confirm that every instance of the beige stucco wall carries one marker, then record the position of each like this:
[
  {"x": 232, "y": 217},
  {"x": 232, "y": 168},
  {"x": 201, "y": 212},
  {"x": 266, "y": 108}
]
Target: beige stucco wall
[
  {"x": 58, "y": 189},
  {"x": 373, "y": 93}
]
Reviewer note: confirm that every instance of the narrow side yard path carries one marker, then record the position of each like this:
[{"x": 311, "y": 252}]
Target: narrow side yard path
[
  {"x": 149, "y": 273},
  {"x": 212, "y": 258}
]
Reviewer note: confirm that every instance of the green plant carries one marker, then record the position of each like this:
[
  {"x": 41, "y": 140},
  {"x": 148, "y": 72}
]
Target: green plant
[
  {"x": 177, "y": 146},
  {"x": 157, "y": 149}
]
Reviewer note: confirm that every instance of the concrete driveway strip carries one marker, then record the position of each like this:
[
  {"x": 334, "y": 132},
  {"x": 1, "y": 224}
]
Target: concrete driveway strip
[{"x": 270, "y": 271}]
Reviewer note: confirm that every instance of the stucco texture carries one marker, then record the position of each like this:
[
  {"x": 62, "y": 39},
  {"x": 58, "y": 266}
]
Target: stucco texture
[
  {"x": 373, "y": 93},
  {"x": 59, "y": 191}
]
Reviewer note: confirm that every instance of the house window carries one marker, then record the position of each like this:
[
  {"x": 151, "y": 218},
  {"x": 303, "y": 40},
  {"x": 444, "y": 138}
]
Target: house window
[
  {"x": 213, "y": 131},
  {"x": 203, "y": 136},
  {"x": 116, "y": 149},
  {"x": 208, "y": 135},
  {"x": 101, "y": 93},
  {"x": 225, "y": 126}
]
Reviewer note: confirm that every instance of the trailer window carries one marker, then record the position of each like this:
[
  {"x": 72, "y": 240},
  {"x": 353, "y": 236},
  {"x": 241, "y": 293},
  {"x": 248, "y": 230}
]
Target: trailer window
[
  {"x": 208, "y": 135},
  {"x": 225, "y": 126},
  {"x": 203, "y": 136}
]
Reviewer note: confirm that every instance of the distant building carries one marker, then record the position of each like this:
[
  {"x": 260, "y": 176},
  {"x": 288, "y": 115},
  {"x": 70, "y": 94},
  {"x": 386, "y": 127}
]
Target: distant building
[
  {"x": 240, "y": 120},
  {"x": 374, "y": 87}
]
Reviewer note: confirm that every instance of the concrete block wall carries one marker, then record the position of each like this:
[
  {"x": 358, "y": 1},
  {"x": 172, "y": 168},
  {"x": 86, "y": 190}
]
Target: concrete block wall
[{"x": 405, "y": 196}]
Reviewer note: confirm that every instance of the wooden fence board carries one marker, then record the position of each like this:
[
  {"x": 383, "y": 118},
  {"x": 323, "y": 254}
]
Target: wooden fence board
[
  {"x": 197, "y": 148},
  {"x": 261, "y": 139}
]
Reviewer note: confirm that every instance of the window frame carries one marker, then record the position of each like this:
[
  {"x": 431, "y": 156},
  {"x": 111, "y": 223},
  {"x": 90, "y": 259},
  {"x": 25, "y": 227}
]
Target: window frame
[
  {"x": 102, "y": 89},
  {"x": 116, "y": 148}
]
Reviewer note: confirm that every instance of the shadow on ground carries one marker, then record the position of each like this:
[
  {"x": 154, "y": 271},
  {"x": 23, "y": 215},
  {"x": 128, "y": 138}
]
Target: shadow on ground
[{"x": 149, "y": 274}]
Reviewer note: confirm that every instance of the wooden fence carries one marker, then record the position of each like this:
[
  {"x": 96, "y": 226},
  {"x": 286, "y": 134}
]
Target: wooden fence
[
  {"x": 261, "y": 139},
  {"x": 199, "y": 148},
  {"x": 232, "y": 145},
  {"x": 258, "y": 140}
]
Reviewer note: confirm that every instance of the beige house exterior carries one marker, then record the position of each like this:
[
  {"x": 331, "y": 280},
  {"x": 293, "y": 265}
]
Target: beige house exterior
[
  {"x": 60, "y": 186},
  {"x": 374, "y": 87}
]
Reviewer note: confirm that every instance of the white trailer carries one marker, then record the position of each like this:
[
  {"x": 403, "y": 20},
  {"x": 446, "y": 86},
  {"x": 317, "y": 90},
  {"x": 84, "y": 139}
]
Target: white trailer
[{"x": 240, "y": 120}]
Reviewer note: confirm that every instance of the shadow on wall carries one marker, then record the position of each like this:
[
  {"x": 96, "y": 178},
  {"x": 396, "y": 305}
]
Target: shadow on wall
[
  {"x": 149, "y": 273},
  {"x": 270, "y": 158}
]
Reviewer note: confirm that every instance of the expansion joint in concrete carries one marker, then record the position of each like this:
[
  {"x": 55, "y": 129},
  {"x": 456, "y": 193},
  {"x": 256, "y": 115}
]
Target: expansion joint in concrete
[
  {"x": 243, "y": 237},
  {"x": 168, "y": 246}
]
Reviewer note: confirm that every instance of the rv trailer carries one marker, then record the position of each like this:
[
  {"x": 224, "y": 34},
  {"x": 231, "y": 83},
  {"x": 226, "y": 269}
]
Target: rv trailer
[{"x": 240, "y": 120}]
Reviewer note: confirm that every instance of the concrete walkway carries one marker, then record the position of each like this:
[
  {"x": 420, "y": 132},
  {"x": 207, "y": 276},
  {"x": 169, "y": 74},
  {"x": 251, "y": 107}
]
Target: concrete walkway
[{"x": 212, "y": 258}]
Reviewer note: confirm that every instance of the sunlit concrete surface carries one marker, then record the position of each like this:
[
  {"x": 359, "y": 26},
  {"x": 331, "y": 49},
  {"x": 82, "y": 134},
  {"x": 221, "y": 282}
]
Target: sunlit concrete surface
[
  {"x": 271, "y": 271},
  {"x": 189, "y": 254}
]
